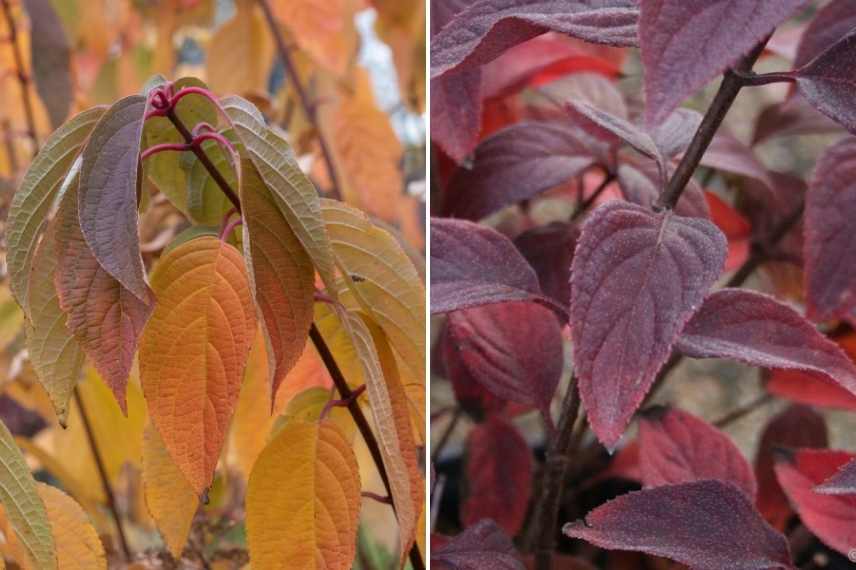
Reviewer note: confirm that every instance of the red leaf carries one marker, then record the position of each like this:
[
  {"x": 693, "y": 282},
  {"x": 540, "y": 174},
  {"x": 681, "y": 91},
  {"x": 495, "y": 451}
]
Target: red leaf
[
  {"x": 832, "y": 518},
  {"x": 758, "y": 330},
  {"x": 671, "y": 33},
  {"x": 550, "y": 250},
  {"x": 473, "y": 265},
  {"x": 830, "y": 243},
  {"x": 637, "y": 278},
  {"x": 830, "y": 24},
  {"x": 827, "y": 81},
  {"x": 456, "y": 112},
  {"x": 809, "y": 389},
  {"x": 842, "y": 483},
  {"x": 518, "y": 163},
  {"x": 677, "y": 447},
  {"x": 513, "y": 349},
  {"x": 486, "y": 28},
  {"x": 483, "y": 545},
  {"x": 472, "y": 396},
  {"x": 736, "y": 228},
  {"x": 499, "y": 475},
  {"x": 708, "y": 525}
]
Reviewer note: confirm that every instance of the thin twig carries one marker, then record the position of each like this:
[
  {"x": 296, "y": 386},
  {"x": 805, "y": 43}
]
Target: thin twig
[
  {"x": 743, "y": 410},
  {"x": 23, "y": 79},
  {"x": 102, "y": 473},
  {"x": 446, "y": 435},
  {"x": 586, "y": 204},
  {"x": 309, "y": 107}
]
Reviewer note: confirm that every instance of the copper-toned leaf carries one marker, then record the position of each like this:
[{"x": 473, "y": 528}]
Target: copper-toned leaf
[
  {"x": 637, "y": 278},
  {"x": 483, "y": 545},
  {"x": 708, "y": 525},
  {"x": 325, "y": 30},
  {"x": 827, "y": 81},
  {"x": 240, "y": 52}
]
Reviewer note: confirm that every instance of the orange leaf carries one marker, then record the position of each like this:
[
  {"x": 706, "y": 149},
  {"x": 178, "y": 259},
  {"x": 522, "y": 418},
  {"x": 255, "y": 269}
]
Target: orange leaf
[{"x": 324, "y": 29}]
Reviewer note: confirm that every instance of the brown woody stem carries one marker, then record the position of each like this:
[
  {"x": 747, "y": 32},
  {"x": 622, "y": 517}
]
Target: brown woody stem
[
  {"x": 102, "y": 473},
  {"x": 309, "y": 107},
  {"x": 23, "y": 79}
]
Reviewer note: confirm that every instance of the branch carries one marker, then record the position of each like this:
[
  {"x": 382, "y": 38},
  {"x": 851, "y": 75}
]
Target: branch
[
  {"x": 23, "y": 79},
  {"x": 583, "y": 206},
  {"x": 309, "y": 108}
]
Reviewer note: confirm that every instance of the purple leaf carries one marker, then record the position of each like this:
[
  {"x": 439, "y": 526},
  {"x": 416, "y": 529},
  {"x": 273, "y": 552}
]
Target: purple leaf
[
  {"x": 792, "y": 117},
  {"x": 513, "y": 349},
  {"x": 473, "y": 265},
  {"x": 485, "y": 29},
  {"x": 830, "y": 243},
  {"x": 550, "y": 250},
  {"x": 108, "y": 194},
  {"x": 637, "y": 278},
  {"x": 687, "y": 43},
  {"x": 456, "y": 110},
  {"x": 518, "y": 163},
  {"x": 674, "y": 135},
  {"x": 830, "y": 24},
  {"x": 677, "y": 447},
  {"x": 639, "y": 180},
  {"x": 829, "y": 80},
  {"x": 483, "y": 545},
  {"x": 842, "y": 483},
  {"x": 728, "y": 154},
  {"x": 50, "y": 53},
  {"x": 757, "y": 329},
  {"x": 708, "y": 525}
]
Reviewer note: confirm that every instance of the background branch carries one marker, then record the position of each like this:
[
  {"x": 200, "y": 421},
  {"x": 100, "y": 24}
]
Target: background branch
[{"x": 23, "y": 78}]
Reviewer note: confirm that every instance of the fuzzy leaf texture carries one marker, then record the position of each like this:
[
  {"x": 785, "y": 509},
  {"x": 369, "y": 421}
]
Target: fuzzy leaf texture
[
  {"x": 758, "y": 330},
  {"x": 303, "y": 500},
  {"x": 194, "y": 349},
  {"x": 832, "y": 518},
  {"x": 483, "y": 545},
  {"x": 637, "y": 278},
  {"x": 108, "y": 193},
  {"x": 499, "y": 475},
  {"x": 677, "y": 447},
  {"x": 827, "y": 82},
  {"x": 708, "y": 525},
  {"x": 672, "y": 31},
  {"x": 842, "y": 483}
]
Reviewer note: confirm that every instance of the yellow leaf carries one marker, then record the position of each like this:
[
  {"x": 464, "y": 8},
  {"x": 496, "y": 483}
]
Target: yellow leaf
[
  {"x": 240, "y": 53},
  {"x": 253, "y": 419},
  {"x": 303, "y": 500},
  {"x": 88, "y": 496},
  {"x": 78, "y": 546},
  {"x": 169, "y": 497},
  {"x": 194, "y": 349},
  {"x": 308, "y": 406},
  {"x": 324, "y": 29}
]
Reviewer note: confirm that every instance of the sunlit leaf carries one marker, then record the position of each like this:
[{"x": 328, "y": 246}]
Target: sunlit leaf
[{"x": 78, "y": 546}]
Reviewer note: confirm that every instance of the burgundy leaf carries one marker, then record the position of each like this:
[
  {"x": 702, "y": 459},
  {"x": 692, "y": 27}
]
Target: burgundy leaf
[
  {"x": 590, "y": 88},
  {"x": 832, "y": 518},
  {"x": 483, "y": 545},
  {"x": 499, "y": 475},
  {"x": 614, "y": 129},
  {"x": 828, "y": 81},
  {"x": 473, "y": 398},
  {"x": 708, "y": 525},
  {"x": 456, "y": 110},
  {"x": 756, "y": 329},
  {"x": 513, "y": 349},
  {"x": 637, "y": 278},
  {"x": 842, "y": 483},
  {"x": 677, "y": 447},
  {"x": 830, "y": 243},
  {"x": 674, "y": 135},
  {"x": 830, "y": 24},
  {"x": 550, "y": 250},
  {"x": 809, "y": 389},
  {"x": 108, "y": 193},
  {"x": 640, "y": 183},
  {"x": 797, "y": 426},
  {"x": 686, "y": 43},
  {"x": 518, "y": 163},
  {"x": 728, "y": 154},
  {"x": 485, "y": 29},
  {"x": 473, "y": 265},
  {"x": 792, "y": 117}
]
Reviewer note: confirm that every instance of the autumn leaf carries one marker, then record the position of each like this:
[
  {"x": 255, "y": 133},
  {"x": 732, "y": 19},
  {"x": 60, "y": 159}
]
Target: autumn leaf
[
  {"x": 78, "y": 546},
  {"x": 325, "y": 30},
  {"x": 240, "y": 52}
]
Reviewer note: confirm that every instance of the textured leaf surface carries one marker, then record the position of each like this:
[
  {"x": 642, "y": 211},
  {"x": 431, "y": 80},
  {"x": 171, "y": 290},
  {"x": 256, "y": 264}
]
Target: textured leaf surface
[
  {"x": 483, "y": 545},
  {"x": 759, "y": 330},
  {"x": 827, "y": 82},
  {"x": 104, "y": 317},
  {"x": 303, "y": 500},
  {"x": 281, "y": 273},
  {"x": 50, "y": 54},
  {"x": 830, "y": 246},
  {"x": 456, "y": 112},
  {"x": 486, "y": 28},
  {"x": 24, "y": 508},
  {"x": 473, "y": 265},
  {"x": 677, "y": 447},
  {"x": 108, "y": 193},
  {"x": 78, "y": 546},
  {"x": 513, "y": 349},
  {"x": 499, "y": 475},
  {"x": 194, "y": 349},
  {"x": 671, "y": 31},
  {"x": 708, "y": 525},
  {"x": 34, "y": 198},
  {"x": 640, "y": 182},
  {"x": 518, "y": 163},
  {"x": 293, "y": 192},
  {"x": 550, "y": 250},
  {"x": 832, "y": 518},
  {"x": 842, "y": 483},
  {"x": 830, "y": 24},
  {"x": 169, "y": 497},
  {"x": 637, "y": 278}
]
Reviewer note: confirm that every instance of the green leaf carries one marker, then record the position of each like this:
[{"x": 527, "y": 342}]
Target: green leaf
[
  {"x": 206, "y": 202},
  {"x": 24, "y": 508},
  {"x": 38, "y": 191}
]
